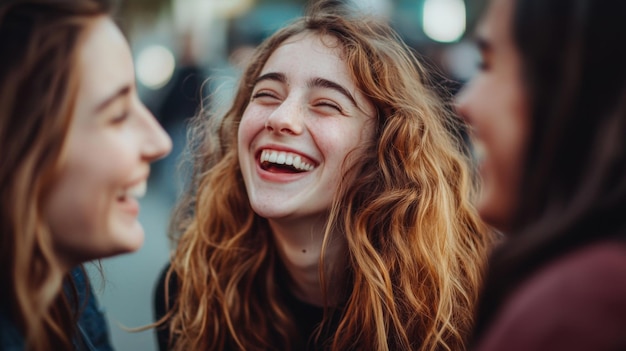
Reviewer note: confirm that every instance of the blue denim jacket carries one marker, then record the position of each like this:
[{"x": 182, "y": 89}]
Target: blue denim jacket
[{"x": 93, "y": 331}]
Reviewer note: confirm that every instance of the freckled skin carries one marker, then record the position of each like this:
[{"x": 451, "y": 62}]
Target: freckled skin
[{"x": 305, "y": 103}]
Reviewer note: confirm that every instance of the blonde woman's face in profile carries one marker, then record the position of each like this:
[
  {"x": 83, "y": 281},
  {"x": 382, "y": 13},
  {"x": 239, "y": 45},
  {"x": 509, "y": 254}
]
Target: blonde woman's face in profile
[
  {"x": 304, "y": 118},
  {"x": 93, "y": 207},
  {"x": 494, "y": 104}
]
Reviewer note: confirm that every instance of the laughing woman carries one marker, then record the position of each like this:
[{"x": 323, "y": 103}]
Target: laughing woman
[
  {"x": 76, "y": 146},
  {"x": 330, "y": 205}
]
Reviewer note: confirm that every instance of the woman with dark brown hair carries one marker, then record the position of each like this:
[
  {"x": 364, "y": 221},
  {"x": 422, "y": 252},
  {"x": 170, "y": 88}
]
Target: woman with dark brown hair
[
  {"x": 76, "y": 146},
  {"x": 548, "y": 110}
]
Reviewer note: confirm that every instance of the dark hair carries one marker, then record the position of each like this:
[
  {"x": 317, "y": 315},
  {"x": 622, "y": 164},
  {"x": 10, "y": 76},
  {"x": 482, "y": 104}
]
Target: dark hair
[
  {"x": 39, "y": 42},
  {"x": 573, "y": 189}
]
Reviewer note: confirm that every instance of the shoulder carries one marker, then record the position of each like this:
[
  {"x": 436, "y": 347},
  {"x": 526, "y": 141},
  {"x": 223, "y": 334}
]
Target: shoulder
[
  {"x": 598, "y": 272},
  {"x": 577, "y": 302},
  {"x": 10, "y": 337},
  {"x": 92, "y": 325},
  {"x": 163, "y": 305},
  {"x": 164, "y": 284}
]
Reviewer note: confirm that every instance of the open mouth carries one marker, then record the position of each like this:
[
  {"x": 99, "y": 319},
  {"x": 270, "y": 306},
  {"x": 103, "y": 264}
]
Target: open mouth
[
  {"x": 137, "y": 191},
  {"x": 285, "y": 162}
]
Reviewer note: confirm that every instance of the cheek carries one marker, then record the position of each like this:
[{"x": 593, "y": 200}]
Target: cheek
[
  {"x": 75, "y": 213},
  {"x": 504, "y": 134},
  {"x": 85, "y": 192},
  {"x": 252, "y": 122},
  {"x": 503, "y": 167},
  {"x": 336, "y": 142},
  {"x": 510, "y": 130},
  {"x": 494, "y": 107},
  {"x": 481, "y": 110}
]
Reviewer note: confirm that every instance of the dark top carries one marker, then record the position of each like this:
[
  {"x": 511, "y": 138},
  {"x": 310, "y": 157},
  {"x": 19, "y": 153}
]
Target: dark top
[
  {"x": 576, "y": 303},
  {"x": 93, "y": 332},
  {"x": 308, "y": 316}
]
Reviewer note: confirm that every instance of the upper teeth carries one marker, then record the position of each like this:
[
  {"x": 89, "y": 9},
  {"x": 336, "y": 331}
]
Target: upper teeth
[
  {"x": 137, "y": 191},
  {"x": 285, "y": 158}
]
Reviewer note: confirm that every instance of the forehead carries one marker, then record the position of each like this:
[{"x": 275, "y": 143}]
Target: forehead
[
  {"x": 309, "y": 52},
  {"x": 104, "y": 60},
  {"x": 313, "y": 38},
  {"x": 496, "y": 25}
]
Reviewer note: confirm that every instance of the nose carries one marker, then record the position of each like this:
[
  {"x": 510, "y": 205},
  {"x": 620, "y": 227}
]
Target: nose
[
  {"x": 156, "y": 142},
  {"x": 287, "y": 118},
  {"x": 461, "y": 105}
]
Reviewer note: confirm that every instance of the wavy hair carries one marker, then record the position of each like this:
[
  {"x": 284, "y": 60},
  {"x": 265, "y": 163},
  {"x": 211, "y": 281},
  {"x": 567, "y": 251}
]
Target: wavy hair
[
  {"x": 416, "y": 246},
  {"x": 38, "y": 86}
]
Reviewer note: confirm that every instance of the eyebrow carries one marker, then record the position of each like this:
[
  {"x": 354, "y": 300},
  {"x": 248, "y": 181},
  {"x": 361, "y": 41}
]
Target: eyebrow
[
  {"x": 279, "y": 77},
  {"x": 125, "y": 90},
  {"x": 325, "y": 83},
  {"x": 313, "y": 83}
]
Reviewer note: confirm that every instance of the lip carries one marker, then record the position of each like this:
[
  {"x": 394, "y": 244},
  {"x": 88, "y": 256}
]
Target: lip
[
  {"x": 305, "y": 157},
  {"x": 130, "y": 204},
  {"x": 138, "y": 177},
  {"x": 136, "y": 181},
  {"x": 282, "y": 177}
]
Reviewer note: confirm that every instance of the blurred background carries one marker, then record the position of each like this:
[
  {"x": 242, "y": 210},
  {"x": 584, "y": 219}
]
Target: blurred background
[{"x": 191, "y": 52}]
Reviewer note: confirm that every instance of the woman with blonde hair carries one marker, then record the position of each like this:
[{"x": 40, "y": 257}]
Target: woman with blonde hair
[
  {"x": 330, "y": 206},
  {"x": 76, "y": 146}
]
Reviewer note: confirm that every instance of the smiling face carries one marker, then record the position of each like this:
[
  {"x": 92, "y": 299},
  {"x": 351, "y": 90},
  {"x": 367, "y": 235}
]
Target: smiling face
[
  {"x": 304, "y": 118},
  {"x": 92, "y": 210},
  {"x": 494, "y": 103}
]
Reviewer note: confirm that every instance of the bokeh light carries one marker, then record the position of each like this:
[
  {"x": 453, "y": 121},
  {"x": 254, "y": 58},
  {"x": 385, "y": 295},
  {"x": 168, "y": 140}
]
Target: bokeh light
[
  {"x": 155, "y": 66},
  {"x": 444, "y": 20}
]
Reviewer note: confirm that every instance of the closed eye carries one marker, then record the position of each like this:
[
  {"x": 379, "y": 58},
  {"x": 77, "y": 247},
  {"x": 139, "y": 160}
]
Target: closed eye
[
  {"x": 120, "y": 118},
  {"x": 118, "y": 110},
  {"x": 264, "y": 95},
  {"x": 328, "y": 104}
]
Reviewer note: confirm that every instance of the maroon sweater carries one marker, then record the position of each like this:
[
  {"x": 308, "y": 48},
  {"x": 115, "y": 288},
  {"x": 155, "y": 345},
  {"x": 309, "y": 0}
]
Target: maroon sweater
[{"x": 577, "y": 302}]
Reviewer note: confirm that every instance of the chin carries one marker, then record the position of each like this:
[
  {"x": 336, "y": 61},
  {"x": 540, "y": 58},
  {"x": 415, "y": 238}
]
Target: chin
[
  {"x": 269, "y": 213},
  {"x": 129, "y": 240}
]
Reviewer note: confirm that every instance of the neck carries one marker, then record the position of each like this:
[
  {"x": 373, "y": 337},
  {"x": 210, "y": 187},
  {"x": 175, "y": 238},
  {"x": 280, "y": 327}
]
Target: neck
[{"x": 299, "y": 244}]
